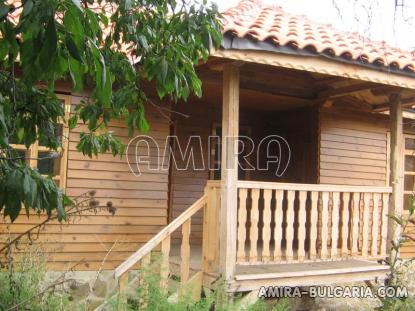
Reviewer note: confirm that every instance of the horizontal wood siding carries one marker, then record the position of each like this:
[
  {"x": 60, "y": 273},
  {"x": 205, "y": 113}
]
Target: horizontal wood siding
[
  {"x": 353, "y": 149},
  {"x": 140, "y": 202},
  {"x": 187, "y": 186}
]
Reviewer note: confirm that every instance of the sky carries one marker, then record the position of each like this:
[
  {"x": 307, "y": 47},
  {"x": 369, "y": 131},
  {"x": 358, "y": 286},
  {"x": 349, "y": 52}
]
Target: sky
[{"x": 376, "y": 19}]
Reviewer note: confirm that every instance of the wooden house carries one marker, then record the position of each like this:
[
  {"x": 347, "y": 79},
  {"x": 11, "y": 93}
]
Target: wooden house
[{"x": 343, "y": 104}]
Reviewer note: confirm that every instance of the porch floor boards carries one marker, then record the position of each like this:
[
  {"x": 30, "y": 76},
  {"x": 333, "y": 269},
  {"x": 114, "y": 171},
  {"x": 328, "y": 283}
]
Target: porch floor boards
[
  {"x": 251, "y": 277},
  {"x": 266, "y": 271}
]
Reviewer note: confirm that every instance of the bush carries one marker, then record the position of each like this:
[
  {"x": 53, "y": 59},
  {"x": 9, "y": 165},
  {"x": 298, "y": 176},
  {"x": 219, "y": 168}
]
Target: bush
[
  {"x": 150, "y": 297},
  {"x": 22, "y": 285}
]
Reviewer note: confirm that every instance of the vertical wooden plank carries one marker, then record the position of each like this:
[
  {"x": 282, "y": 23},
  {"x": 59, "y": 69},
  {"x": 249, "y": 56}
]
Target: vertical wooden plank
[
  {"x": 65, "y": 142},
  {"x": 345, "y": 224},
  {"x": 396, "y": 164},
  {"x": 253, "y": 230},
  {"x": 335, "y": 224},
  {"x": 355, "y": 223},
  {"x": 164, "y": 267},
  {"x": 375, "y": 225},
  {"x": 34, "y": 154},
  {"x": 366, "y": 219},
  {"x": 313, "y": 224},
  {"x": 185, "y": 252},
  {"x": 229, "y": 170},
  {"x": 388, "y": 158},
  {"x": 122, "y": 285},
  {"x": 143, "y": 283},
  {"x": 301, "y": 225},
  {"x": 385, "y": 220},
  {"x": 210, "y": 242},
  {"x": 241, "y": 254},
  {"x": 324, "y": 224},
  {"x": 279, "y": 196},
  {"x": 289, "y": 234},
  {"x": 266, "y": 231}
]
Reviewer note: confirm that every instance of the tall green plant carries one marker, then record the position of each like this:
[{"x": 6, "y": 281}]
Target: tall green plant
[
  {"x": 22, "y": 285},
  {"x": 398, "y": 265}
]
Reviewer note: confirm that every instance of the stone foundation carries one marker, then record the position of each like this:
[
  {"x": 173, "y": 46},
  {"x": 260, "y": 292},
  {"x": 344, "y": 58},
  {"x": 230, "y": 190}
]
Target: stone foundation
[{"x": 87, "y": 289}]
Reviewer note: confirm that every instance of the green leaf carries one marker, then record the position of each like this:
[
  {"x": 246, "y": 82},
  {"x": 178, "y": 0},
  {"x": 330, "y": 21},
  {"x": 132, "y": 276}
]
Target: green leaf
[
  {"x": 4, "y": 49},
  {"x": 2, "y": 194},
  {"x": 76, "y": 72},
  {"x": 27, "y": 8},
  {"x": 143, "y": 125},
  {"x": 143, "y": 42},
  {"x": 72, "y": 48},
  {"x": 107, "y": 92},
  {"x": 164, "y": 68},
  {"x": 13, "y": 206},
  {"x": 73, "y": 121},
  {"x": 48, "y": 51},
  {"x": 60, "y": 207},
  {"x": 4, "y": 10},
  {"x": 20, "y": 134},
  {"x": 74, "y": 28}
]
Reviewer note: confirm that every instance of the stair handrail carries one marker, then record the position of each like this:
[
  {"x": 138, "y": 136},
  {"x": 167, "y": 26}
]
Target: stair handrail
[{"x": 159, "y": 237}]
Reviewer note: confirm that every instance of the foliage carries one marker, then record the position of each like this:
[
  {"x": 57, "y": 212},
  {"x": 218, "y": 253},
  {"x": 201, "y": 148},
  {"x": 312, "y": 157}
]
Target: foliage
[
  {"x": 407, "y": 304},
  {"x": 111, "y": 48},
  {"x": 397, "y": 264},
  {"x": 149, "y": 296},
  {"x": 22, "y": 286}
]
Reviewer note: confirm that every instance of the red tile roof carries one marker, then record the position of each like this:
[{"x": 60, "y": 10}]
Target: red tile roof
[{"x": 261, "y": 22}]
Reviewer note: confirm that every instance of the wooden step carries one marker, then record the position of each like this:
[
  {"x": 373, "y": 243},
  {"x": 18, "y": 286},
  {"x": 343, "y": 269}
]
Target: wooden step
[{"x": 252, "y": 277}]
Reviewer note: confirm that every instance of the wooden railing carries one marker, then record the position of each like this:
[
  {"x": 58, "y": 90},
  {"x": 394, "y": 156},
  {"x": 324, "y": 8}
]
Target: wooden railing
[
  {"x": 163, "y": 239},
  {"x": 161, "y": 243},
  {"x": 280, "y": 222}
]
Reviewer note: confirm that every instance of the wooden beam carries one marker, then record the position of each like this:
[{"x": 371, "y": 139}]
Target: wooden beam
[
  {"x": 396, "y": 164},
  {"x": 384, "y": 90},
  {"x": 215, "y": 79},
  {"x": 346, "y": 90},
  {"x": 319, "y": 65},
  {"x": 264, "y": 83},
  {"x": 219, "y": 64},
  {"x": 407, "y": 102},
  {"x": 406, "y": 114},
  {"x": 229, "y": 171}
]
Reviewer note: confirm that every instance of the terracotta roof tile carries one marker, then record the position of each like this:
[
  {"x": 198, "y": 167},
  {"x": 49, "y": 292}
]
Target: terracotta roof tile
[{"x": 263, "y": 22}]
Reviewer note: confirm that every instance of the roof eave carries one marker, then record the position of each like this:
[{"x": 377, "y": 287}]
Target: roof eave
[{"x": 263, "y": 52}]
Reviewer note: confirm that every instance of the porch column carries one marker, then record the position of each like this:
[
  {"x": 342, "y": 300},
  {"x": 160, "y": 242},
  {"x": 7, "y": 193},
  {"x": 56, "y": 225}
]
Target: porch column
[
  {"x": 229, "y": 170},
  {"x": 396, "y": 163}
]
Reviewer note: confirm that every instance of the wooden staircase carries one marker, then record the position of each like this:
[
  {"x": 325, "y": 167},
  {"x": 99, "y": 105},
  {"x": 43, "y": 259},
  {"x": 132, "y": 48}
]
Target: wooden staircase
[{"x": 177, "y": 275}]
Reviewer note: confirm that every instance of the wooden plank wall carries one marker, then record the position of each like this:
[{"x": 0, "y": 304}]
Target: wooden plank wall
[
  {"x": 187, "y": 186},
  {"x": 354, "y": 151},
  {"x": 296, "y": 126},
  {"x": 141, "y": 205},
  {"x": 353, "y": 148}
]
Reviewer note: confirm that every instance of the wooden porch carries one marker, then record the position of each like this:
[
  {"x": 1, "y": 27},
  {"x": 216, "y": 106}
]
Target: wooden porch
[
  {"x": 269, "y": 233},
  {"x": 287, "y": 235},
  {"x": 249, "y": 277},
  {"x": 302, "y": 234}
]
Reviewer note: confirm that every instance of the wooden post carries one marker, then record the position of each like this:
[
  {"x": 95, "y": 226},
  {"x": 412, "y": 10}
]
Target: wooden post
[
  {"x": 396, "y": 164},
  {"x": 229, "y": 171},
  {"x": 210, "y": 229}
]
